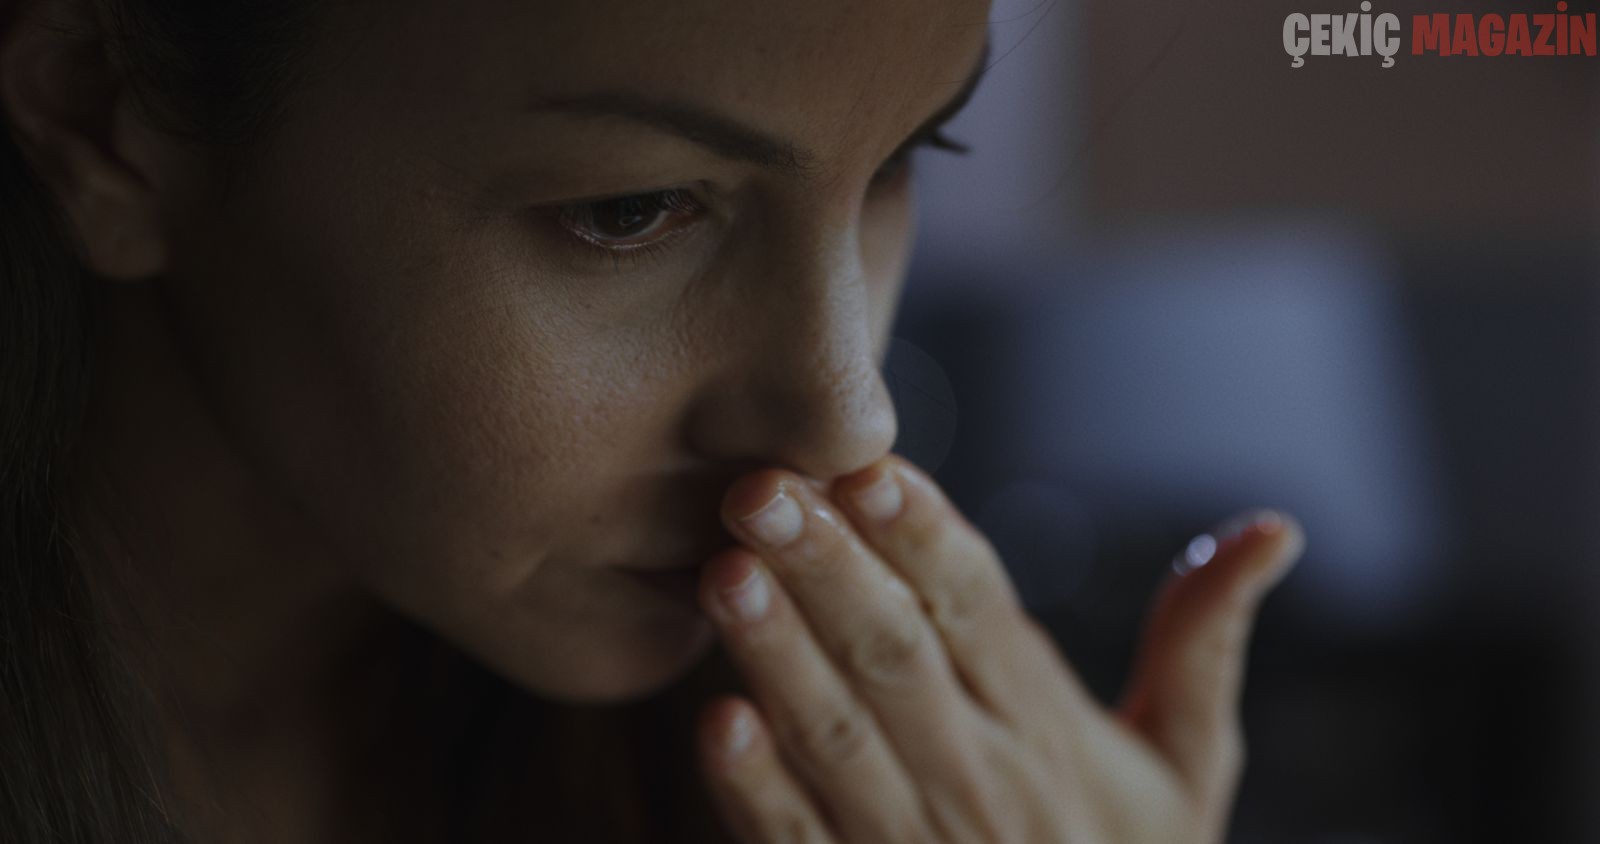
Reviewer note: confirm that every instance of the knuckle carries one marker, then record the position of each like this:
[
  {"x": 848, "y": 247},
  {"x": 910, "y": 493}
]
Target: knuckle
[
  {"x": 948, "y": 608},
  {"x": 971, "y": 581},
  {"x": 936, "y": 526},
  {"x": 823, "y": 549},
  {"x": 830, "y": 741},
  {"x": 889, "y": 652},
  {"x": 955, "y": 605},
  {"x": 924, "y": 532}
]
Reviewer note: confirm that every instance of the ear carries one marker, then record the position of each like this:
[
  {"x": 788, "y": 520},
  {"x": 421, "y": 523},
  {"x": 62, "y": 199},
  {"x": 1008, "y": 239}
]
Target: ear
[{"x": 74, "y": 119}]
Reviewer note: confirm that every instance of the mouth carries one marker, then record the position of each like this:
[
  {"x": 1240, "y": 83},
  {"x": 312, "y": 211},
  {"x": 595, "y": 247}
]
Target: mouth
[
  {"x": 675, "y": 575},
  {"x": 681, "y": 564},
  {"x": 678, "y": 559},
  {"x": 681, "y": 584}
]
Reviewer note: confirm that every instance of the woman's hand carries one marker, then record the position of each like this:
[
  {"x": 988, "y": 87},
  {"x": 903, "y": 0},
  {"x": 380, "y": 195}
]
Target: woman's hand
[{"x": 902, "y": 694}]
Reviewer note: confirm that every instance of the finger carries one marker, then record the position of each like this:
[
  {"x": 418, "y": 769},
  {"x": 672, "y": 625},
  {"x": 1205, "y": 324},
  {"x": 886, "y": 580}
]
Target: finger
[
  {"x": 758, "y": 798},
  {"x": 1005, "y": 658},
  {"x": 830, "y": 738},
  {"x": 1184, "y": 696},
  {"x": 874, "y": 629}
]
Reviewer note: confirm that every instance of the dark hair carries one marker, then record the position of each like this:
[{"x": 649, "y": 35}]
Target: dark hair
[
  {"x": 77, "y": 754},
  {"x": 79, "y": 758}
]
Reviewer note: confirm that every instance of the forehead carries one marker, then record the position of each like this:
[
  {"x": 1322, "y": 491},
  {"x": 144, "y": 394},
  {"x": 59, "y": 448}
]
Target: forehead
[{"x": 832, "y": 72}]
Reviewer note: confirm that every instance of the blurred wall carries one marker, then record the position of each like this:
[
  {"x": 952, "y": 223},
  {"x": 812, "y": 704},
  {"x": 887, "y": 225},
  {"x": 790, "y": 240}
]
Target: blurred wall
[{"x": 1178, "y": 276}]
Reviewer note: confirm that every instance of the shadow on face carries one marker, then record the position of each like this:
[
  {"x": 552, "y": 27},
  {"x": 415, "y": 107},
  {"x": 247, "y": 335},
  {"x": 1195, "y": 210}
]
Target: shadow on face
[{"x": 518, "y": 288}]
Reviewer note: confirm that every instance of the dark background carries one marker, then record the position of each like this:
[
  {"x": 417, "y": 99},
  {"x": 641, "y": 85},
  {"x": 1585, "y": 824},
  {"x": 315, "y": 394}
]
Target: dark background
[{"x": 1178, "y": 278}]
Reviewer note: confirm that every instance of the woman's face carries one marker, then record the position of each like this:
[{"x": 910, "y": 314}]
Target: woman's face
[{"x": 518, "y": 288}]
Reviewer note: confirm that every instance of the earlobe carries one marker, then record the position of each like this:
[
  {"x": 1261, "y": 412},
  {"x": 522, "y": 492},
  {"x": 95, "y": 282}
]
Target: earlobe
[{"x": 61, "y": 98}]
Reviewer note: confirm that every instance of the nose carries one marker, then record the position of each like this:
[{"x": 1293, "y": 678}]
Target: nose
[{"x": 802, "y": 386}]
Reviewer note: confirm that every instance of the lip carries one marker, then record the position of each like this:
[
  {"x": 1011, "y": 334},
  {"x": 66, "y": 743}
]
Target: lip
[
  {"x": 670, "y": 566},
  {"x": 681, "y": 559},
  {"x": 680, "y": 584}
]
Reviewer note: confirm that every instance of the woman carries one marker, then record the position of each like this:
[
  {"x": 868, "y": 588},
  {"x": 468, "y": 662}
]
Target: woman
[{"x": 399, "y": 396}]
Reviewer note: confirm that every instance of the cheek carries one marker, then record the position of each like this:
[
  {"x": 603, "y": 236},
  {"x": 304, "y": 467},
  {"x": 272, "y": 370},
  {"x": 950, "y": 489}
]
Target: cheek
[
  {"x": 437, "y": 412},
  {"x": 491, "y": 438},
  {"x": 508, "y": 471}
]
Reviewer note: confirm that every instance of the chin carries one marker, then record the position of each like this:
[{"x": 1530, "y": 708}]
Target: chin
[{"x": 640, "y": 663}]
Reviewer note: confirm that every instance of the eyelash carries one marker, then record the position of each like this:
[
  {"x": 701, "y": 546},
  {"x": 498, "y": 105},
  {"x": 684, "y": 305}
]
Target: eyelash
[
  {"x": 933, "y": 139},
  {"x": 577, "y": 218}
]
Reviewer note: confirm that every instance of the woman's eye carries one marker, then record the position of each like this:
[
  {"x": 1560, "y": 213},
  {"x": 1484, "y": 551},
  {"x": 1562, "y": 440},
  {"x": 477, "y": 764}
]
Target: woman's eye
[{"x": 631, "y": 222}]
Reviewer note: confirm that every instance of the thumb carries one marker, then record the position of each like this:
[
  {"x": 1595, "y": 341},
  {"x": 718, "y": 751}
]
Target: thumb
[{"x": 1184, "y": 693}]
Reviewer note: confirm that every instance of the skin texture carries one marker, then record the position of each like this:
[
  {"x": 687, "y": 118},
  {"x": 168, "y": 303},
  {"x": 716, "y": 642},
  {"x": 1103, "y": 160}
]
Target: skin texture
[
  {"x": 900, "y": 693},
  {"x": 383, "y": 373}
]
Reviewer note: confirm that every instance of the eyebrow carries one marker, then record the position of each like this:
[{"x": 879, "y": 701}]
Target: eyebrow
[{"x": 725, "y": 136}]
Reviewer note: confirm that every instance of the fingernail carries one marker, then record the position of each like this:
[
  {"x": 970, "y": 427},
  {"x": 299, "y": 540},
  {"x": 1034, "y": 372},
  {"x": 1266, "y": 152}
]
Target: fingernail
[
  {"x": 882, "y": 500},
  {"x": 749, "y": 600},
  {"x": 740, "y": 732},
  {"x": 1197, "y": 553},
  {"x": 1263, "y": 521},
  {"x": 778, "y": 521},
  {"x": 1205, "y": 547}
]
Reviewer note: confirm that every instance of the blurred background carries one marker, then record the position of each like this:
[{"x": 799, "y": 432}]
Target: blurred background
[{"x": 1176, "y": 278}]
